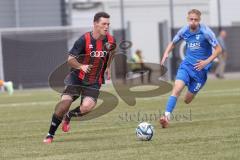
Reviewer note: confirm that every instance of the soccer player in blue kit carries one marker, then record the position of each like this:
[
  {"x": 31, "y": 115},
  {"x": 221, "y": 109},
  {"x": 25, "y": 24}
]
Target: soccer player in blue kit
[{"x": 192, "y": 72}]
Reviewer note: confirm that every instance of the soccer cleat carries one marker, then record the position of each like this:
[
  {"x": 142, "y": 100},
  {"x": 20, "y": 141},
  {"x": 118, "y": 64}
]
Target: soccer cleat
[
  {"x": 9, "y": 87},
  {"x": 65, "y": 124},
  {"x": 48, "y": 139},
  {"x": 164, "y": 121}
]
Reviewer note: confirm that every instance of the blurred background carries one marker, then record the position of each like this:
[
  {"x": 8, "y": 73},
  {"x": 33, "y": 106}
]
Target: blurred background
[{"x": 36, "y": 35}]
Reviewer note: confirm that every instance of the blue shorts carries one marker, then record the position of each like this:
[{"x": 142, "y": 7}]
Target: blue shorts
[{"x": 192, "y": 78}]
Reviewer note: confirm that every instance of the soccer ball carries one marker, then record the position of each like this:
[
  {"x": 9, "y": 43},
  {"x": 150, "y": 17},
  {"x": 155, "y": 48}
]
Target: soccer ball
[{"x": 144, "y": 131}]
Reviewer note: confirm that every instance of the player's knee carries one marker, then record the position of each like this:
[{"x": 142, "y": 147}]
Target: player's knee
[
  {"x": 62, "y": 107},
  {"x": 187, "y": 101},
  {"x": 64, "y": 104},
  {"x": 66, "y": 98},
  {"x": 176, "y": 93},
  {"x": 59, "y": 114},
  {"x": 87, "y": 106}
]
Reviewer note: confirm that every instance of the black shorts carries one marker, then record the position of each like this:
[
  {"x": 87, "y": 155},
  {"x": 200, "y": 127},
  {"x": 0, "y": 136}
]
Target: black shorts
[{"x": 76, "y": 88}]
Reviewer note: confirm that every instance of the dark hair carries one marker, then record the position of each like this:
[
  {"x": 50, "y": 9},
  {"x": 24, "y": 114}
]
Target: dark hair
[{"x": 98, "y": 15}]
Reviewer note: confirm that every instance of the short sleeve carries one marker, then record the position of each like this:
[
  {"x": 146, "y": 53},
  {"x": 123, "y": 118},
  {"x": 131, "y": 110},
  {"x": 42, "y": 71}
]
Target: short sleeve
[
  {"x": 211, "y": 38},
  {"x": 78, "y": 47},
  {"x": 179, "y": 35}
]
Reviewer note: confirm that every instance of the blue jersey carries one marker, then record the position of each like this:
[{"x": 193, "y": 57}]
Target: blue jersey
[{"x": 199, "y": 44}]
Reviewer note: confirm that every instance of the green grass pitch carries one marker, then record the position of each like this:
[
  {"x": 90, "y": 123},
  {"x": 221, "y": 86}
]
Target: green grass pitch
[{"x": 206, "y": 129}]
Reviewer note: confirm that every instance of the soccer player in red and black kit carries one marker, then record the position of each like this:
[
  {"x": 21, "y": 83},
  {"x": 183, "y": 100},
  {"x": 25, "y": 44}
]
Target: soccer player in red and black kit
[{"x": 89, "y": 58}]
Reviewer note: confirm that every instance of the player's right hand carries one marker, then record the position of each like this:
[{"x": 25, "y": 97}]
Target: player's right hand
[{"x": 85, "y": 68}]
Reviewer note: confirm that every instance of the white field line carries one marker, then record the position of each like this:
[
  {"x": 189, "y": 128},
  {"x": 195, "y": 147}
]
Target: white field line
[
  {"x": 27, "y": 104},
  {"x": 221, "y": 91},
  {"x": 235, "y": 91},
  {"x": 211, "y": 93}
]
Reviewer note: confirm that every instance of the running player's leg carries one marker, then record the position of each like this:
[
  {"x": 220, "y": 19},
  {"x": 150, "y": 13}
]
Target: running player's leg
[
  {"x": 69, "y": 95},
  {"x": 182, "y": 79},
  {"x": 87, "y": 105},
  {"x": 88, "y": 102},
  {"x": 197, "y": 81},
  {"x": 189, "y": 96},
  {"x": 172, "y": 100}
]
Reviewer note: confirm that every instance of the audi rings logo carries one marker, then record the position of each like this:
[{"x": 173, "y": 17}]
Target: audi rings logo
[{"x": 98, "y": 53}]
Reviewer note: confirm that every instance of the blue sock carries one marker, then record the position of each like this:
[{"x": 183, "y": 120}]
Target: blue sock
[{"x": 172, "y": 100}]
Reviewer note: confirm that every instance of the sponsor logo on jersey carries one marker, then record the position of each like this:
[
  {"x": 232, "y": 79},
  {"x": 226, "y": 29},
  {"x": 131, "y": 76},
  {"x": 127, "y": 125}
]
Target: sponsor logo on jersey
[
  {"x": 98, "y": 53},
  {"x": 197, "y": 36},
  {"x": 90, "y": 46},
  {"x": 194, "y": 45},
  {"x": 109, "y": 46}
]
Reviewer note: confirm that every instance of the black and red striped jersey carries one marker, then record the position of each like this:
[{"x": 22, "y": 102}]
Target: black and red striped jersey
[{"x": 89, "y": 51}]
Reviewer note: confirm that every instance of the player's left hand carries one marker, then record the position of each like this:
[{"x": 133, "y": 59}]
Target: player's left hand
[{"x": 200, "y": 64}]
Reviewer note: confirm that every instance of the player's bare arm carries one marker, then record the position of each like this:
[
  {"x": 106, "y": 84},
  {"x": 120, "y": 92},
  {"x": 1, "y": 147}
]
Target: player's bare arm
[
  {"x": 75, "y": 64},
  {"x": 169, "y": 48}
]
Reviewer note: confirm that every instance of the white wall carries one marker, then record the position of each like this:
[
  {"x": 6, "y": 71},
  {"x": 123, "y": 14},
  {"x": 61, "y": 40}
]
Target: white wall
[
  {"x": 30, "y": 13},
  {"x": 230, "y": 12},
  {"x": 144, "y": 16},
  {"x": 213, "y": 13}
]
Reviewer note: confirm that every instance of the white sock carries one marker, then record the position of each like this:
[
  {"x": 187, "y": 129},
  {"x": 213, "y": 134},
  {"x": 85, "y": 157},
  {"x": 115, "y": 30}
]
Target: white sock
[{"x": 168, "y": 114}]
